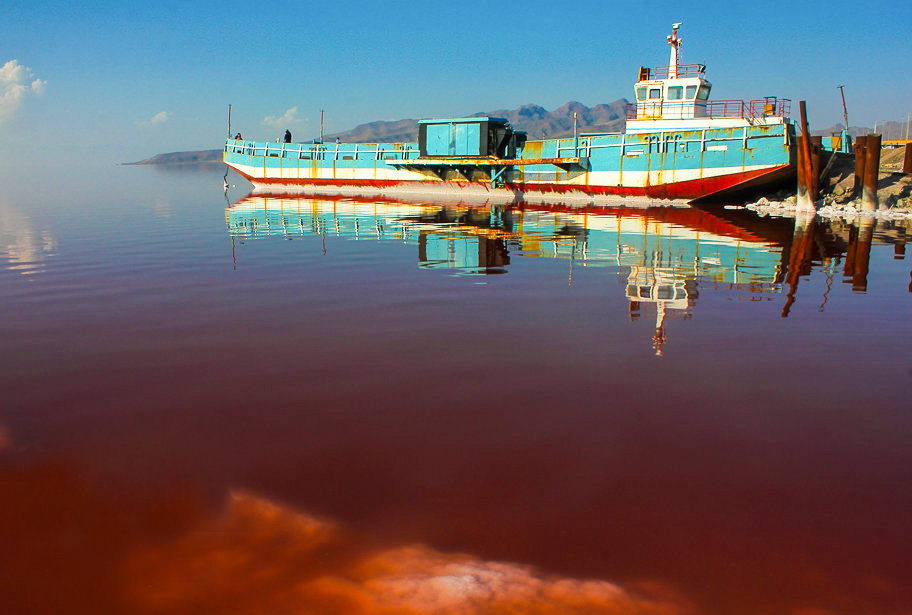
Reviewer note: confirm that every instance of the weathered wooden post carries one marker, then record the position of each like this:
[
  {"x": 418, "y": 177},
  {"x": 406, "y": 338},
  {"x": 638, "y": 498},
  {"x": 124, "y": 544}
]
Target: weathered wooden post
[
  {"x": 802, "y": 197},
  {"x": 804, "y": 158},
  {"x": 863, "y": 254},
  {"x": 848, "y": 269},
  {"x": 859, "y": 149},
  {"x": 816, "y": 154},
  {"x": 907, "y": 159},
  {"x": 800, "y": 253},
  {"x": 869, "y": 201}
]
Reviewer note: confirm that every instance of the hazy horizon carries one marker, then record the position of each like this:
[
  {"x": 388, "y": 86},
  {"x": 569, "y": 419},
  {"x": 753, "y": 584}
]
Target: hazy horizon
[{"x": 120, "y": 83}]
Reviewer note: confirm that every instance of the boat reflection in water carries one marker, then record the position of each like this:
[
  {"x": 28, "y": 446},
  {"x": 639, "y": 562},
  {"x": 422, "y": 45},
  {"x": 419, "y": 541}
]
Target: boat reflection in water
[{"x": 664, "y": 253}]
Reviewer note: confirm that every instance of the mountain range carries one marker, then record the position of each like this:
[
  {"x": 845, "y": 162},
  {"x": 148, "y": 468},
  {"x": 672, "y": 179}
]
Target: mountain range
[
  {"x": 888, "y": 130},
  {"x": 537, "y": 121}
]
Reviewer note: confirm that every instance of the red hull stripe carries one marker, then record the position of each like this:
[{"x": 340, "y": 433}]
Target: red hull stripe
[{"x": 685, "y": 190}]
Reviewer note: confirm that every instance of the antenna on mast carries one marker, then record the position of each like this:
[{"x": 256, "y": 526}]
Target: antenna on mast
[{"x": 675, "y": 43}]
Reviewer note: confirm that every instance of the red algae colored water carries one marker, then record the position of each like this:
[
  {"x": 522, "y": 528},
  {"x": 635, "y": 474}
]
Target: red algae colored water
[{"x": 269, "y": 404}]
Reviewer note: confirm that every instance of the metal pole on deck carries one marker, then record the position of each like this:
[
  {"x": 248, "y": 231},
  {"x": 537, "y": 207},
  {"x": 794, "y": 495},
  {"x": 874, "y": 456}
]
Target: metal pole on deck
[
  {"x": 845, "y": 113},
  {"x": 321, "y": 125},
  {"x": 575, "y": 136},
  {"x": 869, "y": 200},
  {"x": 229, "y": 121}
]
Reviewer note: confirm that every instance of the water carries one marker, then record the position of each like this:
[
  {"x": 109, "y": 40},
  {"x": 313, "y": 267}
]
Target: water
[{"x": 334, "y": 406}]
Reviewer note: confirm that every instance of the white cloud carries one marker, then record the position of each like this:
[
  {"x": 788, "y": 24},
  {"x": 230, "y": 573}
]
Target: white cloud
[
  {"x": 159, "y": 118},
  {"x": 288, "y": 120},
  {"x": 15, "y": 84}
]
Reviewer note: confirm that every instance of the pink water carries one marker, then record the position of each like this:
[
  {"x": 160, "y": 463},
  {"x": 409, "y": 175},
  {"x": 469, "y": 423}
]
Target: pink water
[{"x": 199, "y": 418}]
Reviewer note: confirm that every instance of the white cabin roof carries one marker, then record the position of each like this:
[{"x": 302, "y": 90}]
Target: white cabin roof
[{"x": 677, "y": 96}]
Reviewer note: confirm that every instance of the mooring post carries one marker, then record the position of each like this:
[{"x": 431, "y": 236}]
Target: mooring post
[
  {"x": 802, "y": 198},
  {"x": 800, "y": 253},
  {"x": 816, "y": 154},
  {"x": 869, "y": 200},
  {"x": 907, "y": 159},
  {"x": 806, "y": 204},
  {"x": 863, "y": 254},
  {"x": 848, "y": 269},
  {"x": 859, "y": 149}
]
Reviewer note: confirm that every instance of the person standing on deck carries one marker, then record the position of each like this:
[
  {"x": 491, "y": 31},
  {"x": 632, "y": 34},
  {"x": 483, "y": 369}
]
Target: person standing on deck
[{"x": 287, "y": 136}]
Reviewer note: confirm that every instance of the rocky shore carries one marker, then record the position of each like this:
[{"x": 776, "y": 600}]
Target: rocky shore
[{"x": 837, "y": 199}]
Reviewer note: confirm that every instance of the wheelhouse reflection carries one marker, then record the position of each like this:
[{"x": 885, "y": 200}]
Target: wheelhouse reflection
[{"x": 665, "y": 254}]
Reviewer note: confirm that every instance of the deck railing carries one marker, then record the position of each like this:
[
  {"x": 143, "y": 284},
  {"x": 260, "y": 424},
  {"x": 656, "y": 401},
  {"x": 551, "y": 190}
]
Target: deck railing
[
  {"x": 683, "y": 70},
  {"x": 753, "y": 109},
  {"x": 324, "y": 151}
]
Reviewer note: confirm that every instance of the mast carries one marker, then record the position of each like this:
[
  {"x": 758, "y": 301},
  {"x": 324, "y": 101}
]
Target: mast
[
  {"x": 675, "y": 43},
  {"x": 845, "y": 112}
]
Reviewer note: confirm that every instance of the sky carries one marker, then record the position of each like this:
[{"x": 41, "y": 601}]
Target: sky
[{"x": 123, "y": 81}]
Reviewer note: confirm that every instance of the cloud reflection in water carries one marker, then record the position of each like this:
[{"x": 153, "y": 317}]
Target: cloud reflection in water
[
  {"x": 74, "y": 546},
  {"x": 22, "y": 246},
  {"x": 261, "y": 557}
]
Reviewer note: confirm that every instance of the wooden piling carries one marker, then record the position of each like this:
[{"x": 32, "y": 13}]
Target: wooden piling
[
  {"x": 869, "y": 201},
  {"x": 807, "y": 203},
  {"x": 863, "y": 254},
  {"x": 800, "y": 254},
  {"x": 907, "y": 159},
  {"x": 816, "y": 154},
  {"x": 849, "y": 265},
  {"x": 859, "y": 148},
  {"x": 802, "y": 178}
]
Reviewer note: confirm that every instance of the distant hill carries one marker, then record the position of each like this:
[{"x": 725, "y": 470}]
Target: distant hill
[
  {"x": 209, "y": 155},
  {"x": 889, "y": 130},
  {"x": 534, "y": 119}
]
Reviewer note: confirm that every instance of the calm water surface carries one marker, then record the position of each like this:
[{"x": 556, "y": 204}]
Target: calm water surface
[{"x": 283, "y": 405}]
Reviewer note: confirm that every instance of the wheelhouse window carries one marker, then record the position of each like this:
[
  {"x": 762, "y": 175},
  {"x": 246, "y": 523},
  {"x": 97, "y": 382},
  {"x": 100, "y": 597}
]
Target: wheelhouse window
[
  {"x": 641, "y": 93},
  {"x": 691, "y": 92},
  {"x": 676, "y": 92},
  {"x": 703, "y": 94},
  {"x": 655, "y": 93}
]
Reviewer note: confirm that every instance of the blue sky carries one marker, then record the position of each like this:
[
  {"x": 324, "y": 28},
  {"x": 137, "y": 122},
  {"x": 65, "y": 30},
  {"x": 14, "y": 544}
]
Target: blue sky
[{"x": 128, "y": 80}]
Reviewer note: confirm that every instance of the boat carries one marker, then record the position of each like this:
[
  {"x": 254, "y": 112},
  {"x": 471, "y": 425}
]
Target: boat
[{"x": 678, "y": 144}]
